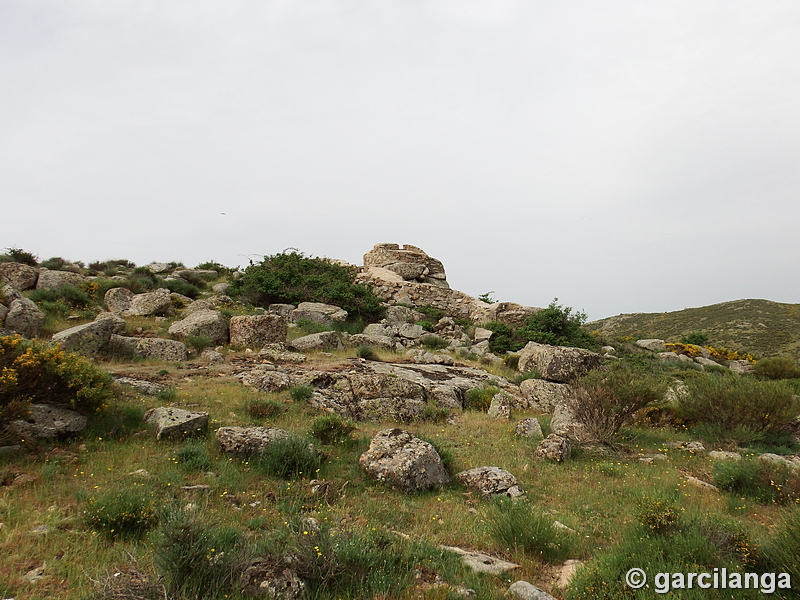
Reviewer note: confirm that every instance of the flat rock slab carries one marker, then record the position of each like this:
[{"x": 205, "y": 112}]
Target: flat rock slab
[
  {"x": 481, "y": 563},
  {"x": 148, "y": 388},
  {"x": 246, "y": 441},
  {"x": 527, "y": 591},
  {"x": 48, "y": 422},
  {"x": 175, "y": 422},
  {"x": 490, "y": 481}
]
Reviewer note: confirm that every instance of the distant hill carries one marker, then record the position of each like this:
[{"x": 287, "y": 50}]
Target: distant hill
[{"x": 760, "y": 327}]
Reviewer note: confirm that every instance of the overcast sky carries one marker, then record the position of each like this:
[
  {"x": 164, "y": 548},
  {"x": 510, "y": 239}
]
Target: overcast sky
[{"x": 624, "y": 156}]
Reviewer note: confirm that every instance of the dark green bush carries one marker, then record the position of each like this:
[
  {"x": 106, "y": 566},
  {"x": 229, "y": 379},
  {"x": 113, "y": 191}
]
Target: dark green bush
[
  {"x": 426, "y": 325},
  {"x": 434, "y": 342},
  {"x": 367, "y": 353},
  {"x": 696, "y": 338},
  {"x": 198, "y": 559},
  {"x": 519, "y": 526},
  {"x": 763, "y": 481},
  {"x": 778, "y": 367},
  {"x": 558, "y": 326},
  {"x": 128, "y": 510},
  {"x": 301, "y": 392},
  {"x": 215, "y": 266},
  {"x": 332, "y": 429},
  {"x": 504, "y": 338},
  {"x": 264, "y": 409},
  {"x": 198, "y": 342},
  {"x": 480, "y": 398},
  {"x": 434, "y": 413},
  {"x": 432, "y": 312},
  {"x": 511, "y": 361},
  {"x": 289, "y": 458},
  {"x": 179, "y": 286},
  {"x": 292, "y": 277},
  {"x": 19, "y": 255},
  {"x": 739, "y": 408},
  {"x": 659, "y": 515},
  {"x": 73, "y": 297},
  {"x": 603, "y": 400}
]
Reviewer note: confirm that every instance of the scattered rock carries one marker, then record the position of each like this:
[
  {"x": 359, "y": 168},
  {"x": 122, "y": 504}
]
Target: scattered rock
[
  {"x": 266, "y": 578},
  {"x": 34, "y": 575},
  {"x": 255, "y": 331},
  {"x": 277, "y": 353},
  {"x": 211, "y": 356},
  {"x": 151, "y": 303},
  {"x": 482, "y": 563},
  {"x": 567, "y": 572},
  {"x": 687, "y": 446},
  {"x": 220, "y": 288},
  {"x": 500, "y": 407},
  {"x": 17, "y": 275},
  {"x": 652, "y": 345},
  {"x": 543, "y": 395},
  {"x": 158, "y": 267},
  {"x": 48, "y": 422},
  {"x": 404, "y": 461},
  {"x": 557, "y": 363},
  {"x": 529, "y": 428},
  {"x": 148, "y": 388},
  {"x": 175, "y": 422},
  {"x": 741, "y": 366},
  {"x": 325, "y": 340},
  {"x": 144, "y": 474},
  {"x": 565, "y": 423},
  {"x": 24, "y": 318},
  {"x": 490, "y": 481},
  {"x": 554, "y": 447},
  {"x": 202, "y": 323},
  {"x": 266, "y": 379},
  {"x": 319, "y": 312},
  {"x": 721, "y": 455},
  {"x": 246, "y": 441},
  {"x": 87, "y": 339},
  {"x": 55, "y": 280},
  {"x": 526, "y": 591},
  {"x": 153, "y": 348},
  {"x": 694, "y": 481},
  {"x": 118, "y": 300}
]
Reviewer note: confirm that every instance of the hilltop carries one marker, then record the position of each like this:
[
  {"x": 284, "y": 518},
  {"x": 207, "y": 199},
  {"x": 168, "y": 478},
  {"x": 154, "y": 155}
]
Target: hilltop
[{"x": 761, "y": 327}]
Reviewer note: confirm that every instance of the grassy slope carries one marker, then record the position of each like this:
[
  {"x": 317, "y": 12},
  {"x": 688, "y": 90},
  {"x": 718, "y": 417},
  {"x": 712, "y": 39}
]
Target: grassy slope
[{"x": 760, "y": 327}]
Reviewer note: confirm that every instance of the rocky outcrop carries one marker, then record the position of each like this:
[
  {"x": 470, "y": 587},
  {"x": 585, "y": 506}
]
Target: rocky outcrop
[
  {"x": 175, "y": 422},
  {"x": 490, "y": 481},
  {"x": 543, "y": 395},
  {"x": 48, "y": 422},
  {"x": 409, "y": 262},
  {"x": 653, "y": 345},
  {"x": 557, "y": 363},
  {"x": 24, "y": 318},
  {"x": 247, "y": 441},
  {"x": 151, "y": 303},
  {"x": 500, "y": 407},
  {"x": 202, "y": 323},
  {"x": 266, "y": 378},
  {"x": 404, "y": 461},
  {"x": 54, "y": 280},
  {"x": 148, "y": 388},
  {"x": 319, "y": 312},
  {"x": 17, "y": 275},
  {"x": 255, "y": 331},
  {"x": 564, "y": 423},
  {"x": 277, "y": 352}
]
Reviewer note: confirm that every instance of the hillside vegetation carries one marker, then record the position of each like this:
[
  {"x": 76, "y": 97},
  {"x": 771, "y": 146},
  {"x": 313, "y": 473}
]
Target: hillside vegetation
[{"x": 760, "y": 327}]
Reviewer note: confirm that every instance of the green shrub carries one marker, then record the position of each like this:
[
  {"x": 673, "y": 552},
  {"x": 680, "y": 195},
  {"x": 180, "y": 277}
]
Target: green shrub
[
  {"x": 480, "y": 398},
  {"x": 738, "y": 407},
  {"x": 127, "y": 510},
  {"x": 289, "y": 458},
  {"x": 215, "y": 266},
  {"x": 264, "y": 409},
  {"x": 198, "y": 342},
  {"x": 778, "y": 367},
  {"x": 603, "y": 400},
  {"x": 198, "y": 559},
  {"x": 511, "y": 361},
  {"x": 558, "y": 326},
  {"x": 193, "y": 457},
  {"x": 291, "y": 277},
  {"x": 696, "y": 338},
  {"x": 69, "y": 295},
  {"x": 426, "y": 325},
  {"x": 301, "y": 392},
  {"x": 504, "y": 338},
  {"x": 167, "y": 395},
  {"x": 659, "y": 515},
  {"x": 519, "y": 526},
  {"x": 32, "y": 371},
  {"x": 20, "y": 256},
  {"x": 434, "y": 413},
  {"x": 367, "y": 353},
  {"x": 432, "y": 312},
  {"x": 763, "y": 481},
  {"x": 434, "y": 342},
  {"x": 783, "y": 547},
  {"x": 185, "y": 288},
  {"x": 532, "y": 374},
  {"x": 332, "y": 429}
]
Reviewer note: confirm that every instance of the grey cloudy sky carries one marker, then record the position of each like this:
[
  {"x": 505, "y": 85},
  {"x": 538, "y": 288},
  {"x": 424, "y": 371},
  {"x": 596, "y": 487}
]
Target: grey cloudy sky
[{"x": 624, "y": 156}]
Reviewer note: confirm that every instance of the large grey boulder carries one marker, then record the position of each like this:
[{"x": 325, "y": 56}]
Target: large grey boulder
[
  {"x": 490, "y": 481},
  {"x": 206, "y": 323},
  {"x": 48, "y": 422},
  {"x": 319, "y": 312},
  {"x": 87, "y": 339},
  {"x": 20, "y": 276},
  {"x": 529, "y": 428},
  {"x": 379, "y": 341},
  {"x": 8, "y": 294},
  {"x": 255, "y": 331},
  {"x": 113, "y": 321},
  {"x": 543, "y": 395},
  {"x": 175, "y": 422},
  {"x": 148, "y": 388},
  {"x": 152, "y": 348},
  {"x": 151, "y": 303},
  {"x": 277, "y": 352},
  {"x": 24, "y": 318},
  {"x": 409, "y": 262},
  {"x": 324, "y": 340},
  {"x": 404, "y": 461},
  {"x": 557, "y": 363},
  {"x": 522, "y": 590},
  {"x": 500, "y": 407},
  {"x": 653, "y": 345},
  {"x": 247, "y": 441},
  {"x": 118, "y": 300},
  {"x": 265, "y": 379},
  {"x": 554, "y": 447},
  {"x": 54, "y": 280},
  {"x": 565, "y": 423},
  {"x": 158, "y": 267}
]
